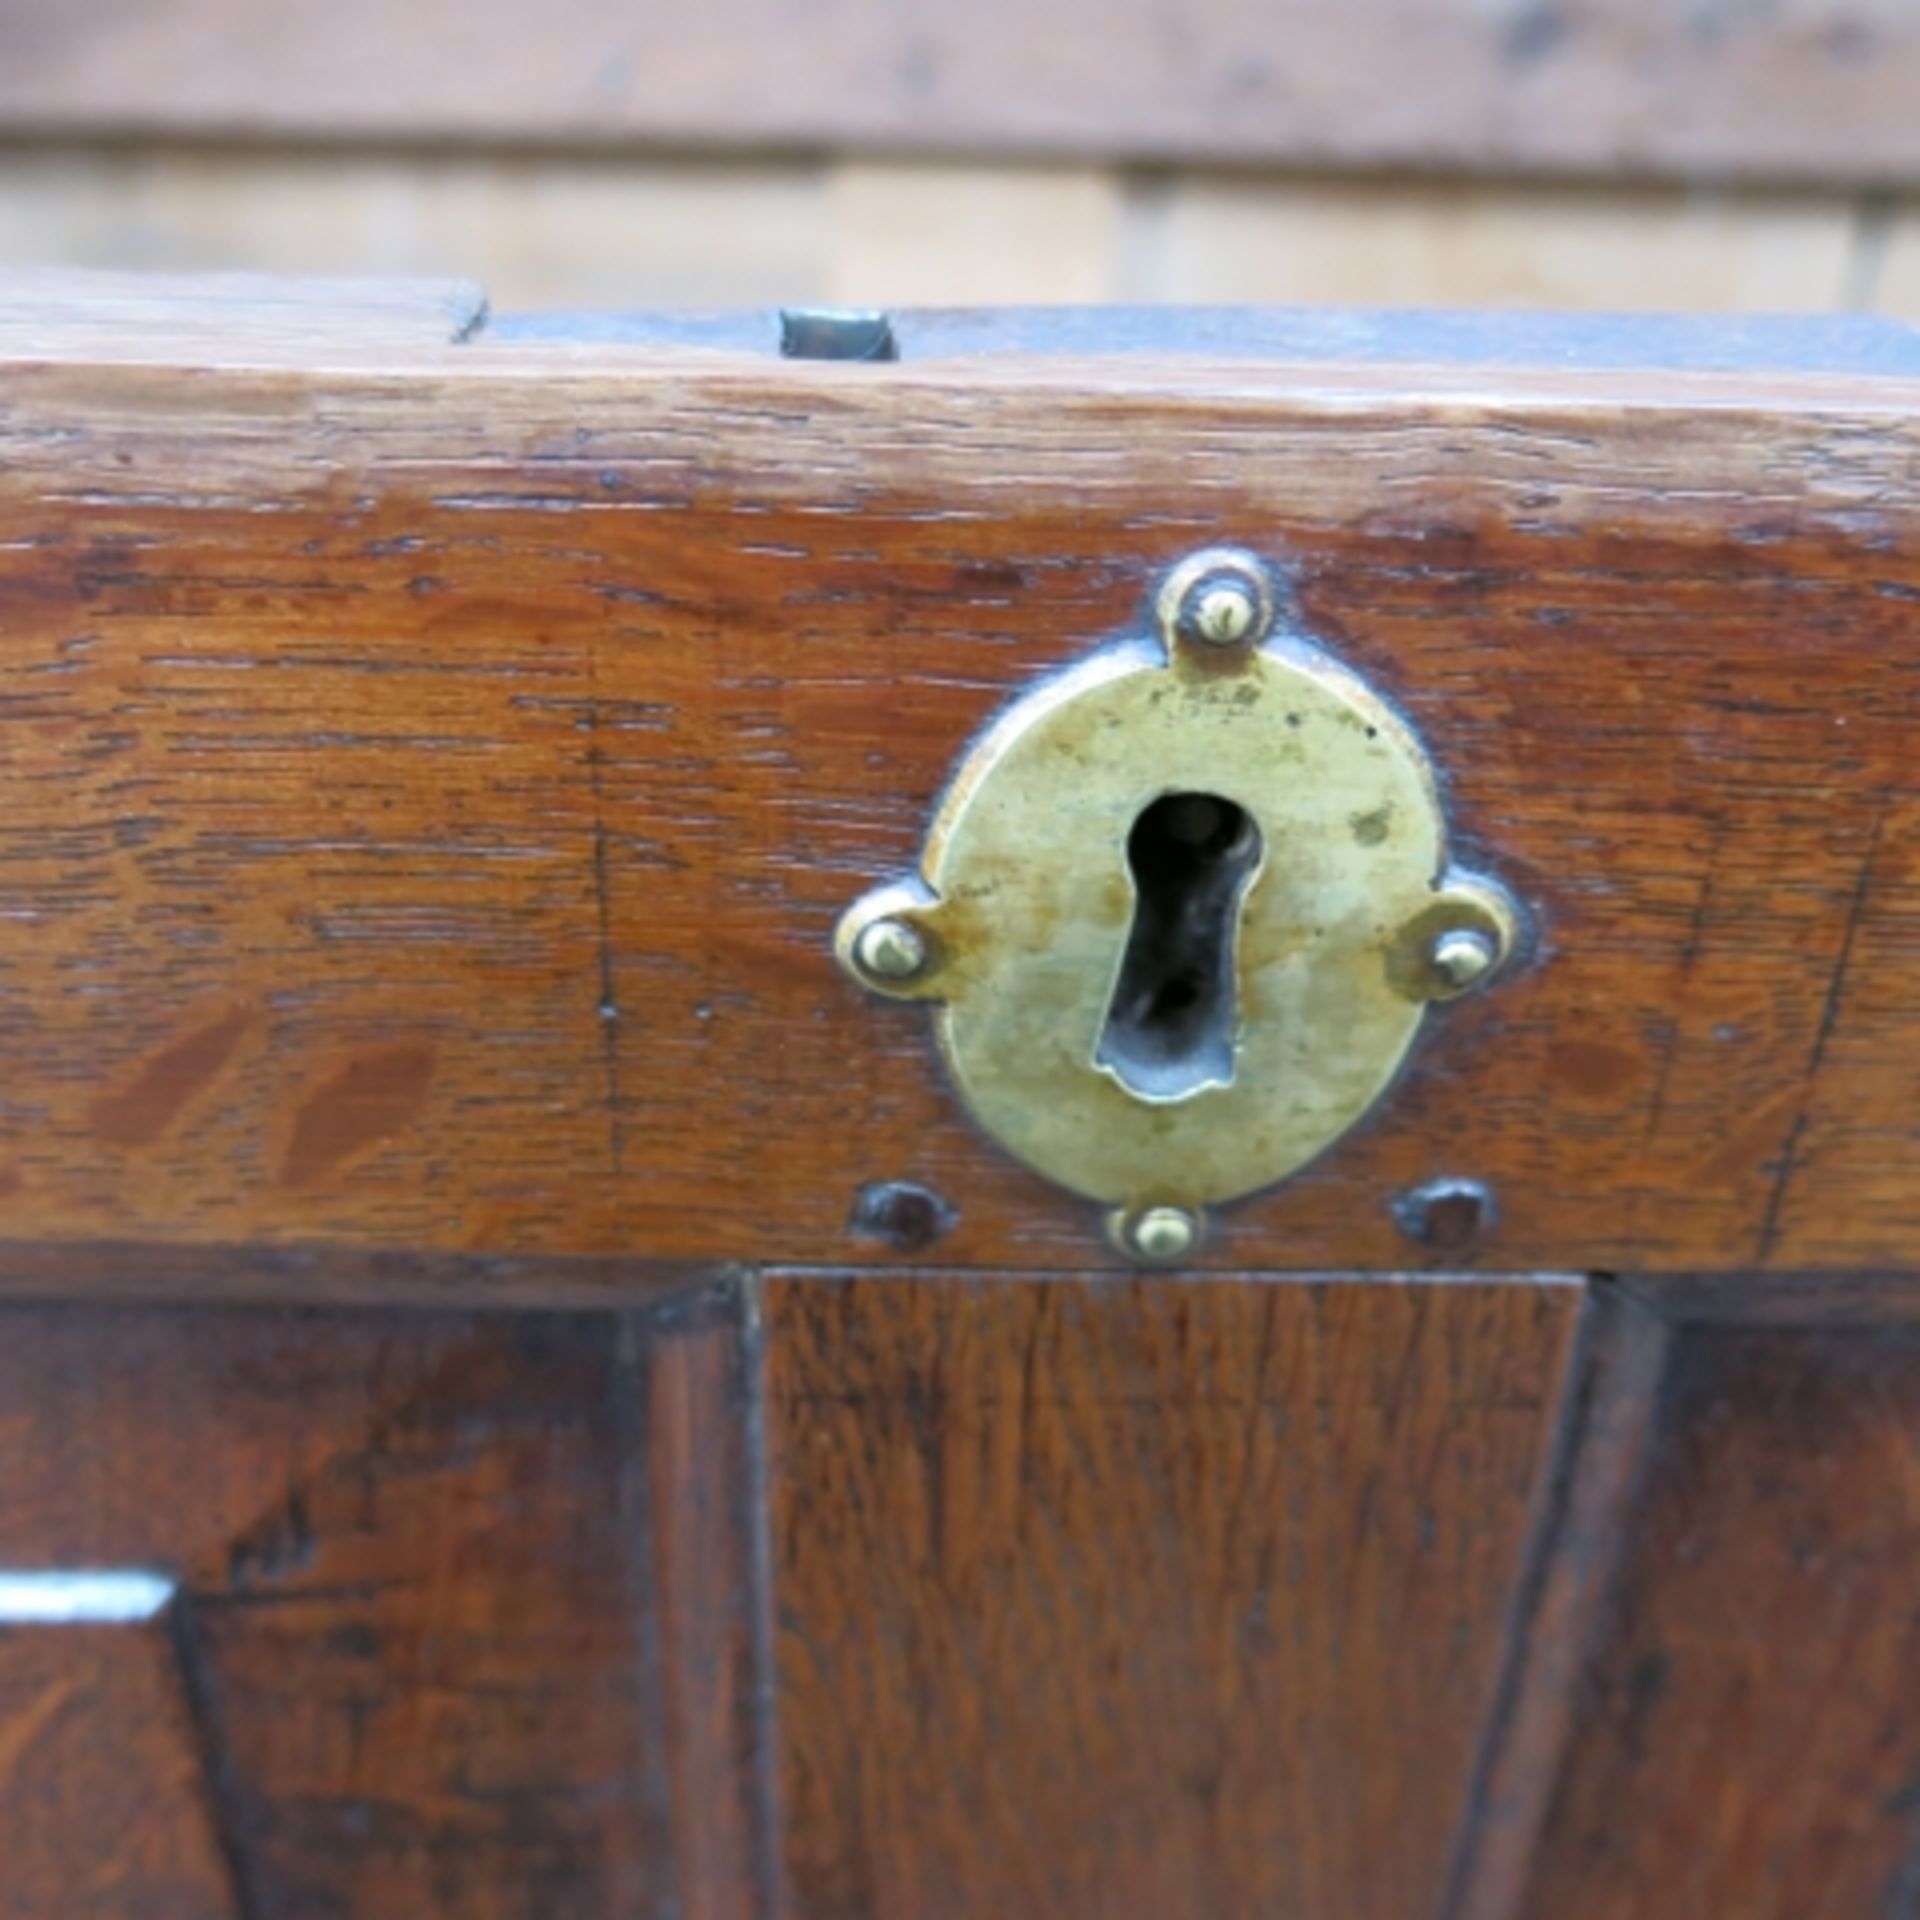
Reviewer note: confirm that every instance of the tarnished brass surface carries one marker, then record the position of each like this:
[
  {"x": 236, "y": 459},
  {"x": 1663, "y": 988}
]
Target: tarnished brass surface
[{"x": 1348, "y": 921}]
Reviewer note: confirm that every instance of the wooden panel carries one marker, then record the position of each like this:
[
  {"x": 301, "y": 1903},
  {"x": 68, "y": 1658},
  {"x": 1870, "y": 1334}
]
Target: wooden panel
[
  {"x": 1809, "y": 87},
  {"x": 1608, "y": 1426},
  {"x": 429, "y": 782},
  {"x": 1143, "y": 1598},
  {"x": 703, "y": 1492},
  {"x": 1744, "y": 1741},
  {"x": 416, "y": 1657},
  {"x": 465, "y": 1622}
]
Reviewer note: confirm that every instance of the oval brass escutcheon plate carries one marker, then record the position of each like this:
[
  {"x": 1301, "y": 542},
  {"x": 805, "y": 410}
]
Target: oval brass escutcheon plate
[{"x": 1183, "y": 909}]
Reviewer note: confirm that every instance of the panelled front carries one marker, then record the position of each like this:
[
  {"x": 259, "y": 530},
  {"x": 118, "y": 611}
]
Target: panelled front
[
  {"x": 828, "y": 1598},
  {"x": 1147, "y": 1597},
  {"x": 1046, "y": 1597}
]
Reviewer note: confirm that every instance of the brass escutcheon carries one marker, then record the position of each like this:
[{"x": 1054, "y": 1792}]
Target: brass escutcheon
[{"x": 1182, "y": 910}]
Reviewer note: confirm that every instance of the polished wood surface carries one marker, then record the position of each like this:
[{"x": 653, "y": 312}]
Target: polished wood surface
[
  {"x": 104, "y": 1807},
  {"x": 1743, "y": 1739},
  {"x": 1146, "y": 1598},
  {"x": 456, "y": 1621},
  {"x": 432, "y": 771},
  {"x": 1444, "y": 1599},
  {"x": 1800, "y": 89},
  {"x": 1609, "y": 1420}
]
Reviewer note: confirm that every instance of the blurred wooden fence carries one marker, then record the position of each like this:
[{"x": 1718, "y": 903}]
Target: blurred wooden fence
[{"x": 1596, "y": 153}]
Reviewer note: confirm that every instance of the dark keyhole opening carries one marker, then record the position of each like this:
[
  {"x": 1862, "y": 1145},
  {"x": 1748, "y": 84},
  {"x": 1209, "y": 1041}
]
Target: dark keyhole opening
[{"x": 1175, "y": 1012}]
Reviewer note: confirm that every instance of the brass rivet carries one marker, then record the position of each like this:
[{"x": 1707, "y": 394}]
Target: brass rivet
[
  {"x": 1223, "y": 612},
  {"x": 890, "y": 950},
  {"x": 1163, "y": 1233},
  {"x": 1463, "y": 957}
]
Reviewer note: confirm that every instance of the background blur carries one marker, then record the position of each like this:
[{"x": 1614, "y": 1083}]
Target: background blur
[{"x": 1605, "y": 154}]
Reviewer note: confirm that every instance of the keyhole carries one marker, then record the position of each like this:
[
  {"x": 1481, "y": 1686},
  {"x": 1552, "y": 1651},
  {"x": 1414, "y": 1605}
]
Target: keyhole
[{"x": 1170, "y": 1030}]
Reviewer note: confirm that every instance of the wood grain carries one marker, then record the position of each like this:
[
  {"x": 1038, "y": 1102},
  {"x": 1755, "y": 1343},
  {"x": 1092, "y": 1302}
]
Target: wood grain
[
  {"x": 155, "y": 1273},
  {"x": 460, "y": 1629},
  {"x": 1609, "y": 1422},
  {"x": 1744, "y": 1739},
  {"x": 1143, "y": 1598},
  {"x": 430, "y": 777},
  {"x": 105, "y": 1812},
  {"x": 700, "y": 1388},
  {"x": 1805, "y": 89}
]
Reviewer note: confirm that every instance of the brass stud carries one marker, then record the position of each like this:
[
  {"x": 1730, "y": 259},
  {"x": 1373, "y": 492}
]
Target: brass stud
[
  {"x": 1161, "y": 1234},
  {"x": 1462, "y": 957},
  {"x": 1220, "y": 599},
  {"x": 1223, "y": 612},
  {"x": 890, "y": 950}
]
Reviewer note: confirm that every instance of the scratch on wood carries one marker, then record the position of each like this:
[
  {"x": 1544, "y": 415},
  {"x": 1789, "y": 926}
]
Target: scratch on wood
[
  {"x": 1670, "y": 1027},
  {"x": 609, "y": 1008},
  {"x": 24, "y": 1727},
  {"x": 1823, "y": 1033}
]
